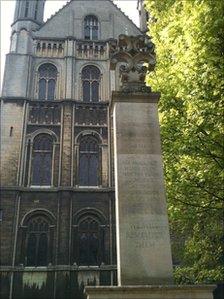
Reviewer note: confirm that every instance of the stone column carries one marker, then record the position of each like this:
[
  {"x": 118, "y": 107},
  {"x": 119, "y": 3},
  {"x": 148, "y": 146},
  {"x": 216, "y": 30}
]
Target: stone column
[{"x": 143, "y": 241}]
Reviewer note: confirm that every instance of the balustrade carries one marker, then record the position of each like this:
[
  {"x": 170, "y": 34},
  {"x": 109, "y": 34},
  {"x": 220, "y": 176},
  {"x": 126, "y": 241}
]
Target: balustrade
[
  {"x": 83, "y": 49},
  {"x": 91, "y": 50},
  {"x": 49, "y": 48}
]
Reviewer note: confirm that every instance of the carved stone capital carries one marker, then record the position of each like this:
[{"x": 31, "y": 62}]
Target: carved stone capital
[{"x": 134, "y": 56}]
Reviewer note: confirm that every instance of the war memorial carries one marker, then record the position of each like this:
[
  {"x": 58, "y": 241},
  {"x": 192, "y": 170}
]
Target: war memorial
[{"x": 143, "y": 242}]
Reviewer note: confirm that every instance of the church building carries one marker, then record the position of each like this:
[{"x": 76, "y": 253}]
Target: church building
[{"x": 57, "y": 214}]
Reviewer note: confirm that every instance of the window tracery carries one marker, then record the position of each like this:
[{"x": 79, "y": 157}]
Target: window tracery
[
  {"x": 47, "y": 79},
  {"x": 42, "y": 160},
  {"x": 91, "y": 83},
  {"x": 91, "y": 27},
  {"x": 89, "y": 241},
  {"x": 37, "y": 235},
  {"x": 36, "y": 10},
  {"x": 37, "y": 241},
  {"x": 26, "y": 8},
  {"x": 89, "y": 161}
]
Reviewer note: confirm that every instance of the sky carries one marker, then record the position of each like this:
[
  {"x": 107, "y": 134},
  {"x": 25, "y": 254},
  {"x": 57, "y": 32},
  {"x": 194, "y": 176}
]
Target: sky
[{"x": 51, "y": 6}]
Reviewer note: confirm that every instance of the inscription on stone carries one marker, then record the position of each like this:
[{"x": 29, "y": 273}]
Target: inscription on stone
[
  {"x": 148, "y": 235},
  {"x": 144, "y": 246},
  {"x": 144, "y": 169}
]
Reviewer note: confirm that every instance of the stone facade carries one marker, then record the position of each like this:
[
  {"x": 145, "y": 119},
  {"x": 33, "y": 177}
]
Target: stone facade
[{"x": 65, "y": 119}]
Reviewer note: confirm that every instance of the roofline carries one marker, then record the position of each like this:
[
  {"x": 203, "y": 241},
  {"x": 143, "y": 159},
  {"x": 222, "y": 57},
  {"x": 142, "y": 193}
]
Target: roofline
[
  {"x": 52, "y": 16},
  {"x": 111, "y": 1},
  {"x": 115, "y": 5}
]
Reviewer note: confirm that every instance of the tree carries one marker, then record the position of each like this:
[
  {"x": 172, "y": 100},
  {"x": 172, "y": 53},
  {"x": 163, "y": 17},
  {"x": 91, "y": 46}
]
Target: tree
[{"x": 189, "y": 40}]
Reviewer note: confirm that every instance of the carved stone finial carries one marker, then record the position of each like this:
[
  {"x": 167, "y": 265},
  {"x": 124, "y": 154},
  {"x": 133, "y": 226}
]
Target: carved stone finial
[{"x": 135, "y": 55}]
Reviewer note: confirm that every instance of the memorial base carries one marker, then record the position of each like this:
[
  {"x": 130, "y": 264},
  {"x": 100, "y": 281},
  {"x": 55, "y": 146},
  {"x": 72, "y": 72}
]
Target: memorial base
[{"x": 151, "y": 292}]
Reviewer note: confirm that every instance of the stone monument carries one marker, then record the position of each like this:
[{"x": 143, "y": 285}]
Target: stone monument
[{"x": 143, "y": 242}]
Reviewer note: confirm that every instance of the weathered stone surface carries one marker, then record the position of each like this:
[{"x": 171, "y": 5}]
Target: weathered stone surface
[
  {"x": 69, "y": 20},
  {"x": 11, "y": 133},
  {"x": 16, "y": 75},
  {"x": 151, "y": 292},
  {"x": 134, "y": 56},
  {"x": 143, "y": 242}
]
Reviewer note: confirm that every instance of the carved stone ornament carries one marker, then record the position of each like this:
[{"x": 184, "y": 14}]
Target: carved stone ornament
[{"x": 134, "y": 56}]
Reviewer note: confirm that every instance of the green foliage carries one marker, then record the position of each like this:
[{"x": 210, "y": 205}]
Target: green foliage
[{"x": 189, "y": 39}]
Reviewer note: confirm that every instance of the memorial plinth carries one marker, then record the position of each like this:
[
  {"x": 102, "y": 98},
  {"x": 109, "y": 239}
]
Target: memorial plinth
[
  {"x": 143, "y": 241},
  {"x": 151, "y": 292}
]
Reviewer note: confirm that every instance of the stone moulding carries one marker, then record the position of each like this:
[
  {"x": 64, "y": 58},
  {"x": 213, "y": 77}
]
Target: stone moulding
[
  {"x": 138, "y": 97},
  {"x": 134, "y": 56},
  {"x": 151, "y": 292}
]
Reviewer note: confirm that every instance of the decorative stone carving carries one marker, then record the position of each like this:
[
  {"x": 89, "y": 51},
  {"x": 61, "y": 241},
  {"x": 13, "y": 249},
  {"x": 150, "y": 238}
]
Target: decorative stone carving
[
  {"x": 134, "y": 56},
  {"x": 90, "y": 115},
  {"x": 91, "y": 50},
  {"x": 44, "y": 113},
  {"x": 49, "y": 48}
]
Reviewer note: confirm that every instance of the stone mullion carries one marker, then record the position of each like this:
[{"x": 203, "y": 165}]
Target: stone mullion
[{"x": 50, "y": 240}]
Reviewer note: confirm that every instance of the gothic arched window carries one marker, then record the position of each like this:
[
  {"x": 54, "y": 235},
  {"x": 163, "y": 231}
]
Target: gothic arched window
[
  {"x": 36, "y": 10},
  {"x": 47, "y": 74},
  {"x": 37, "y": 241},
  {"x": 36, "y": 237},
  {"x": 90, "y": 83},
  {"x": 90, "y": 241},
  {"x": 89, "y": 161},
  {"x": 42, "y": 160},
  {"x": 26, "y": 8},
  {"x": 91, "y": 27}
]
